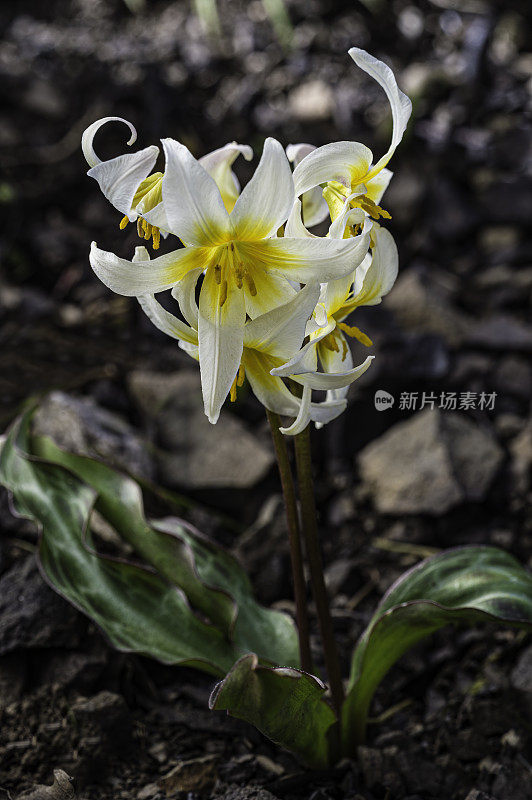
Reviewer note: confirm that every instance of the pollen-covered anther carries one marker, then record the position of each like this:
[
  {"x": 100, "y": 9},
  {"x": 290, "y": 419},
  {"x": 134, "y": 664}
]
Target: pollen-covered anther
[
  {"x": 223, "y": 293},
  {"x": 239, "y": 275},
  {"x": 238, "y": 381},
  {"x": 140, "y": 229},
  {"x": 355, "y": 333},
  {"x": 250, "y": 283},
  {"x": 218, "y": 274},
  {"x": 123, "y": 222}
]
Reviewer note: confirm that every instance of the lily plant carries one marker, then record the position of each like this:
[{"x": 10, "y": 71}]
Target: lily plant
[{"x": 259, "y": 298}]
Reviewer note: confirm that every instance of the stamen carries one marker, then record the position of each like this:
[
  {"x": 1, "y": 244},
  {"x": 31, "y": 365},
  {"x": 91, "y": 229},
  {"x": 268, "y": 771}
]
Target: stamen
[
  {"x": 232, "y": 393},
  {"x": 123, "y": 222},
  {"x": 218, "y": 274},
  {"x": 250, "y": 284},
  {"x": 355, "y": 333},
  {"x": 241, "y": 375},
  {"x": 147, "y": 230},
  {"x": 156, "y": 236},
  {"x": 223, "y": 293},
  {"x": 239, "y": 274},
  {"x": 140, "y": 231}
]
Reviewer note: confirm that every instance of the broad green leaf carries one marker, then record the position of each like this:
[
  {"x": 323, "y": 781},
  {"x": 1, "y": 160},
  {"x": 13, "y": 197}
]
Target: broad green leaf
[
  {"x": 285, "y": 704},
  {"x": 463, "y": 585},
  {"x": 213, "y": 581},
  {"x": 59, "y": 491},
  {"x": 137, "y": 610}
]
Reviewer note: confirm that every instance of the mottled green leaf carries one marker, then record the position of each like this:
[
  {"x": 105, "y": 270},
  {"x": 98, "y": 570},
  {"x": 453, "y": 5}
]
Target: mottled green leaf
[
  {"x": 463, "y": 585},
  {"x": 191, "y": 574},
  {"x": 285, "y": 704}
]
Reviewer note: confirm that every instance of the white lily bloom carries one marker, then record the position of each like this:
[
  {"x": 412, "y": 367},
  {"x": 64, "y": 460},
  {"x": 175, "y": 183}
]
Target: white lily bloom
[
  {"x": 350, "y": 164},
  {"x": 247, "y": 267},
  {"x": 269, "y": 340},
  {"x": 328, "y": 346}
]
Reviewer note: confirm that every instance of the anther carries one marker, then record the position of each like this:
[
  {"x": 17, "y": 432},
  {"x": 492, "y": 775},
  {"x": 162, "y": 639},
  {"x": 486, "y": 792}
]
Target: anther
[
  {"x": 250, "y": 284},
  {"x": 355, "y": 333},
  {"x": 239, "y": 275},
  {"x": 232, "y": 393},
  {"x": 241, "y": 375},
  {"x": 156, "y": 236},
  {"x": 218, "y": 274},
  {"x": 123, "y": 222},
  {"x": 223, "y": 293},
  {"x": 140, "y": 231}
]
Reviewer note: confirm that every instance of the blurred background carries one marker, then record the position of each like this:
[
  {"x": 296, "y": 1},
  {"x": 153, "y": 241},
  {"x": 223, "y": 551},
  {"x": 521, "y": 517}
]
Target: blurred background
[{"x": 394, "y": 484}]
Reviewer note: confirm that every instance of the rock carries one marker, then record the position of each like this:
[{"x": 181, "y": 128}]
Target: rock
[
  {"x": 83, "y": 427},
  {"x": 501, "y": 332},
  {"x": 235, "y": 792},
  {"x": 521, "y": 677},
  {"x": 422, "y": 303},
  {"x": 107, "y": 714},
  {"x": 194, "y": 453},
  {"x": 429, "y": 464},
  {"x": 13, "y": 672},
  {"x": 61, "y": 789},
  {"x": 31, "y": 614},
  {"x": 336, "y": 575},
  {"x": 197, "y": 775},
  {"x": 521, "y": 453},
  {"x": 514, "y": 376}
]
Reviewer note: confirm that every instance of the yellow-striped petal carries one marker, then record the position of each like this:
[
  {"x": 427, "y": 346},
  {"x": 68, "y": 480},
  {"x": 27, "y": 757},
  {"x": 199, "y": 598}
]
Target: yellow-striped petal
[
  {"x": 218, "y": 164},
  {"x": 222, "y": 315},
  {"x": 146, "y": 277},
  {"x": 266, "y": 201},
  {"x": 346, "y": 162}
]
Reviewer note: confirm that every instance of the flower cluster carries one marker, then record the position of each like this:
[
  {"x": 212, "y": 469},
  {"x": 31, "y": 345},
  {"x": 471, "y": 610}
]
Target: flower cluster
[{"x": 273, "y": 297}]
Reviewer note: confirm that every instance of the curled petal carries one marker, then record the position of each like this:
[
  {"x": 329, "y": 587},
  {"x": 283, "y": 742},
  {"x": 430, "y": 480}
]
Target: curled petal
[
  {"x": 120, "y": 177},
  {"x": 347, "y": 162},
  {"x": 267, "y": 199},
  {"x": 185, "y": 293},
  {"x": 332, "y": 380},
  {"x": 192, "y": 201},
  {"x": 134, "y": 278},
  {"x": 377, "y": 185},
  {"x": 90, "y": 132},
  {"x": 303, "y": 415},
  {"x": 165, "y": 321},
  {"x": 400, "y": 104},
  {"x": 294, "y": 228}
]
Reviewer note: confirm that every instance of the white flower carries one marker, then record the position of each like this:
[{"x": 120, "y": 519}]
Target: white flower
[{"x": 247, "y": 267}]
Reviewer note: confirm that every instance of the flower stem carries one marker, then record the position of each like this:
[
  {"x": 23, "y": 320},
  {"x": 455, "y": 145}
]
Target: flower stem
[
  {"x": 310, "y": 533},
  {"x": 287, "y": 482}
]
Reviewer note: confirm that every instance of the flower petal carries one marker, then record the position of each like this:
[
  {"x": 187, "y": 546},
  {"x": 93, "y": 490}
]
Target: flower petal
[
  {"x": 120, "y": 177},
  {"x": 315, "y": 209},
  {"x": 281, "y": 331},
  {"x": 218, "y": 165},
  {"x": 400, "y": 104},
  {"x": 271, "y": 291},
  {"x": 269, "y": 390},
  {"x": 303, "y": 415},
  {"x": 185, "y": 293},
  {"x": 132, "y": 279},
  {"x": 192, "y": 201},
  {"x": 377, "y": 185},
  {"x": 307, "y": 260},
  {"x": 90, "y": 132},
  {"x": 373, "y": 283},
  {"x": 221, "y": 336},
  {"x": 332, "y": 380},
  {"x": 294, "y": 228},
  {"x": 267, "y": 199},
  {"x": 340, "y": 360},
  {"x": 165, "y": 321},
  {"x": 347, "y": 162}
]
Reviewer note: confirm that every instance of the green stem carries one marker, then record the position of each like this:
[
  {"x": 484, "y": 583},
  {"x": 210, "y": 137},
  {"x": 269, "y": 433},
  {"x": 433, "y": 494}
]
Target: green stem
[
  {"x": 310, "y": 533},
  {"x": 289, "y": 494}
]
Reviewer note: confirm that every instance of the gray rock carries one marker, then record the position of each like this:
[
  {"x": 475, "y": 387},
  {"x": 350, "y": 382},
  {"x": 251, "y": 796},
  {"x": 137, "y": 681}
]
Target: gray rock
[
  {"x": 61, "y": 789},
  {"x": 429, "y": 464},
  {"x": 196, "y": 454},
  {"x": 81, "y": 426},
  {"x": 500, "y": 332},
  {"x": 521, "y": 677},
  {"x": 235, "y": 792},
  {"x": 31, "y": 614},
  {"x": 421, "y": 302}
]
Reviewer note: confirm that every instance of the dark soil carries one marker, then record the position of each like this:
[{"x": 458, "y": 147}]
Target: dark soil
[{"x": 452, "y": 720}]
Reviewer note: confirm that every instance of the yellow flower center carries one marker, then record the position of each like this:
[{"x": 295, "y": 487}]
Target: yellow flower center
[
  {"x": 335, "y": 195},
  {"x": 229, "y": 266}
]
